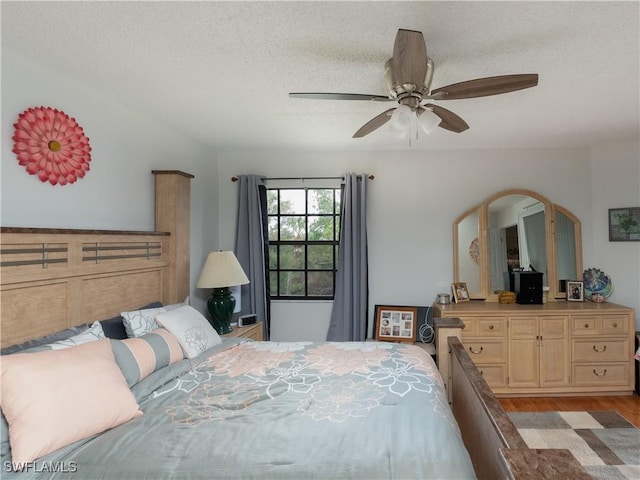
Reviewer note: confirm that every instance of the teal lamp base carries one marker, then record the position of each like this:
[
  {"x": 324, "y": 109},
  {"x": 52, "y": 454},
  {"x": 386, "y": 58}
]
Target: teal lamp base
[{"x": 221, "y": 306}]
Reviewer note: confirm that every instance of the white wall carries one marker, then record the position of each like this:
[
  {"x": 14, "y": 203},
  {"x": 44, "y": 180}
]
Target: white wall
[
  {"x": 118, "y": 191},
  {"x": 297, "y": 321},
  {"x": 616, "y": 184},
  {"x": 413, "y": 202}
]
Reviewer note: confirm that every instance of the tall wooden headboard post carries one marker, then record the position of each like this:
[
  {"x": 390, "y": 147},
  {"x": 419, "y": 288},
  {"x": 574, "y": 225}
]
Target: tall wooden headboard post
[{"x": 173, "y": 191}]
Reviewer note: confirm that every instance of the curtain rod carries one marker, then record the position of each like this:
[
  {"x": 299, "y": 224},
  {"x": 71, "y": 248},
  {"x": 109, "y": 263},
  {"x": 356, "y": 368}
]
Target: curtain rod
[{"x": 235, "y": 179}]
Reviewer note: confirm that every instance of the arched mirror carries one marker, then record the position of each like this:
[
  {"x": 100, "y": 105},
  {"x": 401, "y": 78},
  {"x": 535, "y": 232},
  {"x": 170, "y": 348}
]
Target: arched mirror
[
  {"x": 517, "y": 230},
  {"x": 468, "y": 252},
  {"x": 568, "y": 246},
  {"x": 517, "y": 238}
]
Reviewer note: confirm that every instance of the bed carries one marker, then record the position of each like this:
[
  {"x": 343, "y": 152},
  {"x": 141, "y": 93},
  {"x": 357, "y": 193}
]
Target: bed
[
  {"x": 246, "y": 409},
  {"x": 221, "y": 408}
]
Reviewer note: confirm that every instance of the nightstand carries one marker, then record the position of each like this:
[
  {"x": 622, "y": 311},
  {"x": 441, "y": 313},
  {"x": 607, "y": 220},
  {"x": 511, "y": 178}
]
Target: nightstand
[{"x": 252, "y": 331}]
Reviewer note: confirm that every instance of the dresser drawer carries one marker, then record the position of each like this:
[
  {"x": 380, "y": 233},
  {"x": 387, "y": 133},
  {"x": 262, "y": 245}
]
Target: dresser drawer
[
  {"x": 587, "y": 375},
  {"x": 490, "y": 326},
  {"x": 470, "y": 327},
  {"x": 600, "y": 325},
  {"x": 585, "y": 324},
  {"x": 596, "y": 350},
  {"x": 486, "y": 351},
  {"x": 494, "y": 375},
  {"x": 615, "y": 325}
]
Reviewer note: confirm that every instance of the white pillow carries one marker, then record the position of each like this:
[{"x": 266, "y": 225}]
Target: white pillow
[
  {"x": 193, "y": 331},
  {"x": 173, "y": 306},
  {"x": 92, "y": 334},
  {"x": 139, "y": 322}
]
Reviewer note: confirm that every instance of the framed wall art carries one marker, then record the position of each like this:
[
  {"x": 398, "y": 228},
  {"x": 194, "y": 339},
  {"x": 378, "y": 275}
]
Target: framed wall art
[
  {"x": 460, "y": 292},
  {"x": 575, "y": 291},
  {"x": 624, "y": 224},
  {"x": 395, "y": 323}
]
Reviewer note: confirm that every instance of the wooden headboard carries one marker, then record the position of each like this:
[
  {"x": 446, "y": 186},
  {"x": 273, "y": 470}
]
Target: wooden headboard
[{"x": 52, "y": 279}]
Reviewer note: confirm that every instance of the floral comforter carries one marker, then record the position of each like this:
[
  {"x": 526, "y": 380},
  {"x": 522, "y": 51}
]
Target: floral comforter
[{"x": 285, "y": 411}]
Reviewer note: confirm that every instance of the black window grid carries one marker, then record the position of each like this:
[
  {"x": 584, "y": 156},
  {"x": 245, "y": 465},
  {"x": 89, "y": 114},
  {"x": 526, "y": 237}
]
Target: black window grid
[{"x": 279, "y": 271}]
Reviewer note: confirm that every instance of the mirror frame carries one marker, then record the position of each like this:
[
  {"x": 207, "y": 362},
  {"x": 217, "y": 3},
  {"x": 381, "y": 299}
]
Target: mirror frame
[
  {"x": 550, "y": 210},
  {"x": 482, "y": 279}
]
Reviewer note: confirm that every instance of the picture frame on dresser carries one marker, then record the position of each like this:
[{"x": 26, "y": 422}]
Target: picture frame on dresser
[
  {"x": 395, "y": 323},
  {"x": 575, "y": 291},
  {"x": 460, "y": 292}
]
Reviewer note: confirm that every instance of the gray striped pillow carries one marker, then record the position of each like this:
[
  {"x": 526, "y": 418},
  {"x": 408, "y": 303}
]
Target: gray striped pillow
[{"x": 141, "y": 356}]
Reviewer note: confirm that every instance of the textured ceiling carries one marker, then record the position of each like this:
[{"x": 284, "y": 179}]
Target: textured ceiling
[{"x": 220, "y": 72}]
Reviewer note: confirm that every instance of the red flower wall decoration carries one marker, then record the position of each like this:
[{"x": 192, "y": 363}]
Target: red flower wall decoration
[{"x": 52, "y": 145}]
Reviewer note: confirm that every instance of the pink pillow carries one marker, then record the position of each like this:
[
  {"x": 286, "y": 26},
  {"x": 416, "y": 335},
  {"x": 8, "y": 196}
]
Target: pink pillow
[{"x": 56, "y": 397}]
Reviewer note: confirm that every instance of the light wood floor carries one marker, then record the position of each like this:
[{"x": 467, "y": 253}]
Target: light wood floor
[{"x": 628, "y": 405}]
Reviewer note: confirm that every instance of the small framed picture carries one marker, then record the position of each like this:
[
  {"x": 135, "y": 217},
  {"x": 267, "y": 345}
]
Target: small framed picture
[
  {"x": 575, "y": 291},
  {"x": 624, "y": 224},
  {"x": 460, "y": 292},
  {"x": 396, "y": 324}
]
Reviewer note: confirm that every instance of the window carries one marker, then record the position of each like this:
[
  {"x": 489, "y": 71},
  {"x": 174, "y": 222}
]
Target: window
[{"x": 304, "y": 229}]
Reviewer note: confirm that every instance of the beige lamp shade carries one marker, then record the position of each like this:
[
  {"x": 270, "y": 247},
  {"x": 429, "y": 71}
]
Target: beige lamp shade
[{"x": 221, "y": 269}]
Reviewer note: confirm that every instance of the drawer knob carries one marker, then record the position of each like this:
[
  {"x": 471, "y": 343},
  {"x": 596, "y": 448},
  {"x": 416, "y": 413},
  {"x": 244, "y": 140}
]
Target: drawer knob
[
  {"x": 586, "y": 325},
  {"x": 599, "y": 374},
  {"x": 490, "y": 327},
  {"x": 615, "y": 325},
  {"x": 604, "y": 349},
  {"x": 479, "y": 351}
]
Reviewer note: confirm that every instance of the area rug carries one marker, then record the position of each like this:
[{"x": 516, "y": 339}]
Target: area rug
[{"x": 604, "y": 443}]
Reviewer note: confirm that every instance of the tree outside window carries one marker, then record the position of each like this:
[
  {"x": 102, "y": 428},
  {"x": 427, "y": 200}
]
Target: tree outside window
[{"x": 304, "y": 229}]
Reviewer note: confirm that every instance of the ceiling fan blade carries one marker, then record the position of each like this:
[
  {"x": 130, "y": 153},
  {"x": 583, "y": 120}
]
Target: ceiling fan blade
[
  {"x": 484, "y": 87},
  {"x": 450, "y": 121},
  {"x": 340, "y": 96},
  {"x": 409, "y": 62},
  {"x": 373, "y": 124}
]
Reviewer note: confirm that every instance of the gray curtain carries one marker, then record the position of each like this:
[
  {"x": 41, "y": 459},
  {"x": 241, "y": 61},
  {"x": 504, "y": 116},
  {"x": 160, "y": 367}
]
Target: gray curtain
[
  {"x": 252, "y": 247},
  {"x": 349, "y": 314}
]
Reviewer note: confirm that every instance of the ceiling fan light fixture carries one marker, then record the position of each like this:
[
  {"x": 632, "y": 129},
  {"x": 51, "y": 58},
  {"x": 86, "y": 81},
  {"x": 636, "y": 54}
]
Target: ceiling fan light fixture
[
  {"x": 398, "y": 133},
  {"x": 408, "y": 74},
  {"x": 428, "y": 121},
  {"x": 401, "y": 117}
]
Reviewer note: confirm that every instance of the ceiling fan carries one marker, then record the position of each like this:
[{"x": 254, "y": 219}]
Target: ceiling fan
[{"x": 409, "y": 74}]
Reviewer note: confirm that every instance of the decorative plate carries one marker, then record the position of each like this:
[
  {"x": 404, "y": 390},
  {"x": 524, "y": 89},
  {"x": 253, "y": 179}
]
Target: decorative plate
[
  {"x": 474, "y": 250},
  {"x": 51, "y": 145},
  {"x": 596, "y": 281}
]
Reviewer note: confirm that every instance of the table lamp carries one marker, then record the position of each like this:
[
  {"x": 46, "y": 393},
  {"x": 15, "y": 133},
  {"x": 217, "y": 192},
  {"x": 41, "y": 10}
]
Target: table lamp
[{"x": 221, "y": 271}]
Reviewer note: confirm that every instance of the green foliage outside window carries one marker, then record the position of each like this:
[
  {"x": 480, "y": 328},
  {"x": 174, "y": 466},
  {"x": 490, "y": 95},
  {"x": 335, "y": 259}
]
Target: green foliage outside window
[{"x": 304, "y": 229}]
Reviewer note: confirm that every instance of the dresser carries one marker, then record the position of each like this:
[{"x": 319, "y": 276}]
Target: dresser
[
  {"x": 554, "y": 348},
  {"x": 253, "y": 332}
]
